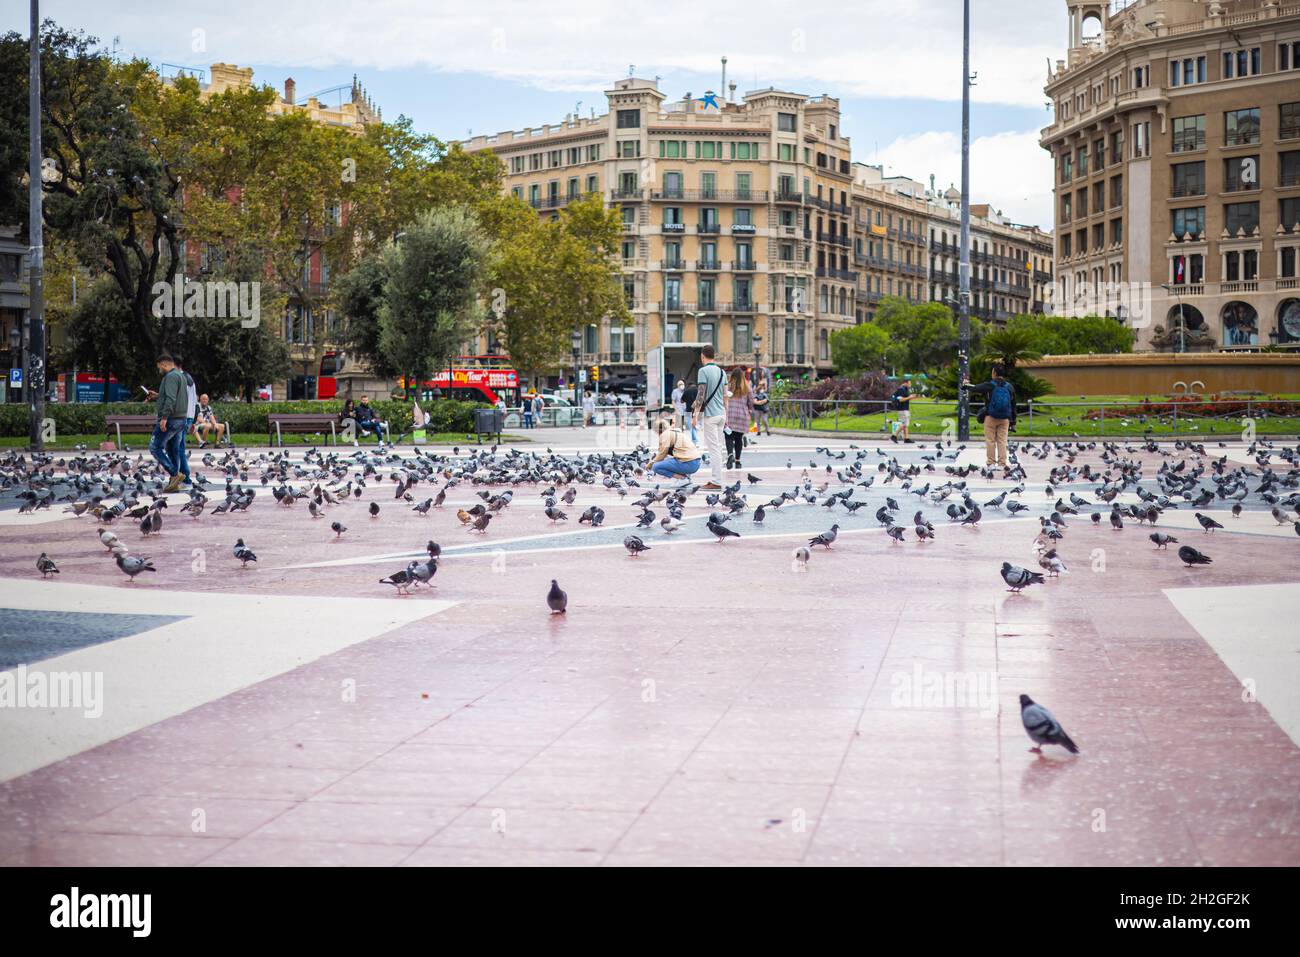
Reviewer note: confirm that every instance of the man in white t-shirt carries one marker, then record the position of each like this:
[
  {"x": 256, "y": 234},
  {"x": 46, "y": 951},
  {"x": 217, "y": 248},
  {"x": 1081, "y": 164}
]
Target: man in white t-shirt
[{"x": 588, "y": 408}]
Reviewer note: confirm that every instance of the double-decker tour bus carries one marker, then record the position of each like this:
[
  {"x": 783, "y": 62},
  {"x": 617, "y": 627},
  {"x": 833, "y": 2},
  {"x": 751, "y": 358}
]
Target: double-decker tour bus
[{"x": 473, "y": 378}]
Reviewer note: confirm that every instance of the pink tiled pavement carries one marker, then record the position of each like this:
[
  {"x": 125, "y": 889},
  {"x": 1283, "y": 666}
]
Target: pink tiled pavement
[{"x": 702, "y": 704}]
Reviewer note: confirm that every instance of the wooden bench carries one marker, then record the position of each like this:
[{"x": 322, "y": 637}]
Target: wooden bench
[
  {"x": 301, "y": 423},
  {"x": 114, "y": 424}
]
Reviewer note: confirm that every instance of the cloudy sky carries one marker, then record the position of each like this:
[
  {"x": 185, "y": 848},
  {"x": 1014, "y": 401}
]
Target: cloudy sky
[{"x": 494, "y": 65}]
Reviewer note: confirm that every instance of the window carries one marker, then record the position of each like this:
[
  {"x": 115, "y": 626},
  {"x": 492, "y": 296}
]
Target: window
[
  {"x": 673, "y": 216},
  {"x": 707, "y": 149},
  {"x": 743, "y": 342},
  {"x": 593, "y": 153},
  {"x": 1116, "y": 231},
  {"x": 1189, "y": 221},
  {"x": 556, "y": 158},
  {"x": 1289, "y": 210},
  {"x": 1187, "y": 269},
  {"x": 629, "y": 119},
  {"x": 1241, "y": 216},
  {"x": 1240, "y": 173},
  {"x": 742, "y": 185},
  {"x": 1188, "y": 133},
  {"x": 672, "y": 185},
  {"x": 1082, "y": 156},
  {"x": 708, "y": 296},
  {"x": 1288, "y": 270},
  {"x": 1141, "y": 139},
  {"x": 672, "y": 292},
  {"x": 1188, "y": 179},
  {"x": 1241, "y": 63},
  {"x": 741, "y": 294},
  {"x": 516, "y": 164},
  {"x": 742, "y": 216},
  {"x": 534, "y": 195},
  {"x": 1065, "y": 246},
  {"x": 744, "y": 151},
  {"x": 672, "y": 255},
  {"x": 1241, "y": 127},
  {"x": 1141, "y": 77},
  {"x": 629, "y": 149},
  {"x": 672, "y": 149},
  {"x": 1116, "y": 192},
  {"x": 785, "y": 122},
  {"x": 824, "y": 342},
  {"x": 571, "y": 188},
  {"x": 1288, "y": 56},
  {"x": 1099, "y": 153},
  {"x": 629, "y": 249},
  {"x": 744, "y": 256},
  {"x": 1188, "y": 71},
  {"x": 1288, "y": 115},
  {"x": 593, "y": 183},
  {"x": 1289, "y": 172},
  {"x": 785, "y": 152},
  {"x": 1117, "y": 146},
  {"x": 1067, "y": 167}
]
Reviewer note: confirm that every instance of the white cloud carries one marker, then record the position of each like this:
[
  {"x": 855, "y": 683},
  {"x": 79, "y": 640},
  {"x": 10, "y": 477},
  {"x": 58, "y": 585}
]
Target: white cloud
[
  {"x": 1007, "y": 170},
  {"x": 867, "y": 47}
]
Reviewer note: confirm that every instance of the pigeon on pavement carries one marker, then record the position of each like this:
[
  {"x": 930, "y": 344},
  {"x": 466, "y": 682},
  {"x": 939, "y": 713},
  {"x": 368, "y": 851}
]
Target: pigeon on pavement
[
  {"x": 1191, "y": 556},
  {"x": 557, "y": 599},
  {"x": 45, "y": 565},
  {"x": 133, "y": 566},
  {"x": 1042, "y": 727},
  {"x": 827, "y": 538},
  {"x": 1018, "y": 577},
  {"x": 635, "y": 546}
]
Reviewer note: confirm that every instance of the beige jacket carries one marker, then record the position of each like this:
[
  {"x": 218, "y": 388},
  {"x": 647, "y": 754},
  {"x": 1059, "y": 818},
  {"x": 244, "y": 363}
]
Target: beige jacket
[{"x": 679, "y": 440}]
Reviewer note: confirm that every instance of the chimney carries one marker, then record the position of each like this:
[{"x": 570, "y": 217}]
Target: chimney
[
  {"x": 731, "y": 97},
  {"x": 289, "y": 88},
  {"x": 723, "y": 88}
]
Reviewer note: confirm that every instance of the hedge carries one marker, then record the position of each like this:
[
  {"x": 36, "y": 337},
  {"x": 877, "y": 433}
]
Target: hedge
[{"x": 87, "y": 418}]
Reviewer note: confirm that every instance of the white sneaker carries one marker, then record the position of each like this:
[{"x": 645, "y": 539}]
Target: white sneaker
[{"x": 356, "y": 444}]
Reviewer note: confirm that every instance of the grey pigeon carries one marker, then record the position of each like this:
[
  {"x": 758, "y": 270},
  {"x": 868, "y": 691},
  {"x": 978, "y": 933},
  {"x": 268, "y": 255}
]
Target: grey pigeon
[
  {"x": 133, "y": 566},
  {"x": 1191, "y": 556},
  {"x": 721, "y": 531},
  {"x": 1162, "y": 540},
  {"x": 827, "y": 538},
  {"x": 1207, "y": 523},
  {"x": 339, "y": 528},
  {"x": 1018, "y": 577},
  {"x": 244, "y": 553},
  {"x": 801, "y": 556},
  {"x": 556, "y": 599},
  {"x": 400, "y": 580},
  {"x": 45, "y": 565},
  {"x": 635, "y": 546},
  {"x": 1042, "y": 727}
]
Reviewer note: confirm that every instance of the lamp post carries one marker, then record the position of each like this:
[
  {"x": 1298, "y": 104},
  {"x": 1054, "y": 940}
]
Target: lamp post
[
  {"x": 577, "y": 348},
  {"x": 758, "y": 360},
  {"x": 963, "y": 344},
  {"x": 35, "y": 378}
]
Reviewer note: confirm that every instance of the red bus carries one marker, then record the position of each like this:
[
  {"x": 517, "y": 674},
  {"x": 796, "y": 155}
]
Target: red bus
[{"x": 474, "y": 379}]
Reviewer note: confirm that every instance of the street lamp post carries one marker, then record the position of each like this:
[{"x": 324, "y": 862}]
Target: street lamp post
[
  {"x": 963, "y": 346},
  {"x": 35, "y": 378},
  {"x": 758, "y": 360},
  {"x": 577, "y": 348}
]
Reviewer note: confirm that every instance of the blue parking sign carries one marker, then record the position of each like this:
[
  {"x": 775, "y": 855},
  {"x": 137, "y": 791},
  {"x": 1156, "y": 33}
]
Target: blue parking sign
[{"x": 16, "y": 378}]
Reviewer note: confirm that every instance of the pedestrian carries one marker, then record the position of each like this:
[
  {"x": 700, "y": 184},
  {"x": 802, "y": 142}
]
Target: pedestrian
[
  {"x": 588, "y": 408},
  {"x": 679, "y": 406},
  {"x": 901, "y": 402},
  {"x": 761, "y": 400},
  {"x": 528, "y": 411},
  {"x": 191, "y": 410},
  {"x": 538, "y": 406},
  {"x": 710, "y": 412},
  {"x": 205, "y": 422},
  {"x": 740, "y": 411},
  {"x": 169, "y": 411},
  {"x": 677, "y": 453},
  {"x": 998, "y": 416}
]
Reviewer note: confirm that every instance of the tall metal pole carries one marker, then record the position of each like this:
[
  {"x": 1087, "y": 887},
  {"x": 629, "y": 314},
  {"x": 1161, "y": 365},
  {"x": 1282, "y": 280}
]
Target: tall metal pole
[
  {"x": 36, "y": 296},
  {"x": 963, "y": 344}
]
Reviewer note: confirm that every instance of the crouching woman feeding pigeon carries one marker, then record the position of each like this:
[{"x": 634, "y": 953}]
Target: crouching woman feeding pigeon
[{"x": 678, "y": 455}]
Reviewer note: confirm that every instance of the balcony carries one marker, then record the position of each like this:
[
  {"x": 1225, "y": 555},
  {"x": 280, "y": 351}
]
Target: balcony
[
  {"x": 625, "y": 358},
  {"x": 746, "y": 265},
  {"x": 674, "y": 227},
  {"x": 626, "y": 194},
  {"x": 709, "y": 195},
  {"x": 741, "y": 307},
  {"x": 709, "y": 228},
  {"x": 1228, "y": 288},
  {"x": 783, "y": 196},
  {"x": 1289, "y": 178},
  {"x": 1182, "y": 190},
  {"x": 678, "y": 305},
  {"x": 708, "y": 265}
]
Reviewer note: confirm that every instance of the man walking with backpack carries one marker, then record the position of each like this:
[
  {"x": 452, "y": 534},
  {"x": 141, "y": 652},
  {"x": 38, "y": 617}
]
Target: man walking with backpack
[{"x": 998, "y": 416}]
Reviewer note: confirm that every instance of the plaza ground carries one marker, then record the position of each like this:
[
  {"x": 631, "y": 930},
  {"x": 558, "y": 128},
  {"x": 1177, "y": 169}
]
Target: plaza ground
[{"x": 701, "y": 704}]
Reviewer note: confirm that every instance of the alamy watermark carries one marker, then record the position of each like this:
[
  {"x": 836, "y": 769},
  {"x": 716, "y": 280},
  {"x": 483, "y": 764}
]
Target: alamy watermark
[
  {"x": 209, "y": 300},
  {"x": 83, "y": 690}
]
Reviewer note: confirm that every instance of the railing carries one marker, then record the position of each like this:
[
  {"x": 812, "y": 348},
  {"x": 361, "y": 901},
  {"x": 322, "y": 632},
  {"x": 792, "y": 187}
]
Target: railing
[
  {"x": 1241, "y": 138},
  {"x": 1187, "y": 142},
  {"x": 1187, "y": 189},
  {"x": 1048, "y": 417},
  {"x": 565, "y": 416}
]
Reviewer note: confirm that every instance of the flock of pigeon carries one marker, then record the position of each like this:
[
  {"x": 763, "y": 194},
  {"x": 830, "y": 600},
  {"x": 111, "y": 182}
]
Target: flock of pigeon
[{"x": 115, "y": 489}]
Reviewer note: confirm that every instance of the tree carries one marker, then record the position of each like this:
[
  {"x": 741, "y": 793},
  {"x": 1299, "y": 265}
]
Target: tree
[
  {"x": 360, "y": 293},
  {"x": 1067, "y": 335},
  {"x": 863, "y": 348},
  {"x": 1009, "y": 347},
  {"x": 926, "y": 333},
  {"x": 432, "y": 291},
  {"x": 553, "y": 277}
]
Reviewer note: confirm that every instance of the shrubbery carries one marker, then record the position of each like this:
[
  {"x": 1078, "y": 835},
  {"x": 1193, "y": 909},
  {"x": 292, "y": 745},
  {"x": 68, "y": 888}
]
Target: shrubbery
[{"x": 87, "y": 418}]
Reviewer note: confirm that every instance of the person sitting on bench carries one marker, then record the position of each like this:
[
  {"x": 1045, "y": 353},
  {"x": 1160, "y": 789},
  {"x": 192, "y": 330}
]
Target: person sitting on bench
[{"x": 368, "y": 422}]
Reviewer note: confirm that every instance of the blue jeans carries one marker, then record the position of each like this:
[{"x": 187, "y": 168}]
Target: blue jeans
[
  {"x": 375, "y": 426},
  {"x": 670, "y": 467},
  {"x": 166, "y": 444},
  {"x": 528, "y": 420},
  {"x": 183, "y": 455}
]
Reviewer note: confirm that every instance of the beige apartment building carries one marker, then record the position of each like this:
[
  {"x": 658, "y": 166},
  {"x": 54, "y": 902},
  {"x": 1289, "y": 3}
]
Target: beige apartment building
[
  {"x": 1176, "y": 143},
  {"x": 737, "y": 222}
]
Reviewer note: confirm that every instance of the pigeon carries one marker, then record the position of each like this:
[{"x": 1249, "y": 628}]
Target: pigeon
[
  {"x": 133, "y": 566},
  {"x": 1042, "y": 727},
  {"x": 1116, "y": 521},
  {"x": 108, "y": 539},
  {"x": 557, "y": 599},
  {"x": 481, "y": 523},
  {"x": 1191, "y": 556},
  {"x": 721, "y": 531},
  {"x": 752, "y": 478},
  {"x": 759, "y": 515},
  {"x": 635, "y": 546},
  {"x": 895, "y": 532},
  {"x": 400, "y": 580},
  {"x": 433, "y": 548},
  {"x": 1050, "y": 562},
  {"x": 338, "y": 528},
  {"x": 801, "y": 556},
  {"x": 45, "y": 565},
  {"x": 422, "y": 572},
  {"x": 1018, "y": 577},
  {"x": 244, "y": 553},
  {"x": 670, "y": 524},
  {"x": 1162, "y": 540},
  {"x": 556, "y": 515},
  {"x": 827, "y": 538},
  {"x": 374, "y": 509},
  {"x": 646, "y": 520},
  {"x": 1207, "y": 523}
]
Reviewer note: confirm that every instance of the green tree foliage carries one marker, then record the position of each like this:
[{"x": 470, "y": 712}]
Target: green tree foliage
[
  {"x": 1066, "y": 335},
  {"x": 432, "y": 291},
  {"x": 360, "y": 293},
  {"x": 862, "y": 348},
  {"x": 926, "y": 333}
]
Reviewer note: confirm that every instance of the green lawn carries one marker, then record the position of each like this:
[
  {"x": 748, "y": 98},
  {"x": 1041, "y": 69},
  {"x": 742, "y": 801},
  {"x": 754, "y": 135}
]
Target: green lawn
[
  {"x": 1052, "y": 419},
  {"x": 141, "y": 442}
]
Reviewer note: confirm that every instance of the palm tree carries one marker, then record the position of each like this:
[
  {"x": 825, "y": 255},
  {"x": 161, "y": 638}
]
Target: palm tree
[{"x": 1008, "y": 347}]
